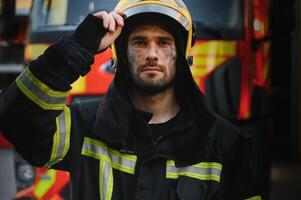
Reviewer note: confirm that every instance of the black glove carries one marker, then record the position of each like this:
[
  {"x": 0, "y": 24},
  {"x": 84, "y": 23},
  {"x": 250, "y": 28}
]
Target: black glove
[
  {"x": 66, "y": 59},
  {"x": 89, "y": 33}
]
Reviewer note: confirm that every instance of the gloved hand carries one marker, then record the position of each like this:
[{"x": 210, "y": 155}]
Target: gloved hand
[{"x": 99, "y": 31}]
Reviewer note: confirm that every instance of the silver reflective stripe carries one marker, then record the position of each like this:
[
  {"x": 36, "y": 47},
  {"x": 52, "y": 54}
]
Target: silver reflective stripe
[
  {"x": 122, "y": 164},
  {"x": 194, "y": 169},
  {"x": 201, "y": 171},
  {"x": 61, "y": 138},
  {"x": 98, "y": 150},
  {"x": 105, "y": 180},
  {"x": 157, "y": 8},
  {"x": 184, "y": 21},
  {"x": 108, "y": 159},
  {"x": 40, "y": 93}
]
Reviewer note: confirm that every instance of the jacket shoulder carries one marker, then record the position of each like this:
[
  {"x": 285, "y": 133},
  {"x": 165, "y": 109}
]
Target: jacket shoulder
[
  {"x": 85, "y": 111},
  {"x": 225, "y": 134}
]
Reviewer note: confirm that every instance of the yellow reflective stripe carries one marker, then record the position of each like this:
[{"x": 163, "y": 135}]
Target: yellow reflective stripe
[
  {"x": 112, "y": 151},
  {"x": 40, "y": 93},
  {"x": 209, "y": 165},
  {"x": 99, "y": 150},
  {"x": 61, "y": 138},
  {"x": 203, "y": 177},
  {"x": 125, "y": 156},
  {"x": 254, "y": 198},
  {"x": 43, "y": 186},
  {"x": 101, "y": 179},
  {"x": 123, "y": 168},
  {"x": 55, "y": 144},
  {"x": 44, "y": 87},
  {"x": 200, "y": 165},
  {"x": 105, "y": 180},
  {"x": 96, "y": 142},
  {"x": 95, "y": 155},
  {"x": 110, "y": 185},
  {"x": 36, "y": 100},
  {"x": 201, "y": 171}
]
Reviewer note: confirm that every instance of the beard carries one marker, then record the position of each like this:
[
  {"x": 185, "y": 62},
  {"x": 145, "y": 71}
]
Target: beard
[{"x": 151, "y": 86}]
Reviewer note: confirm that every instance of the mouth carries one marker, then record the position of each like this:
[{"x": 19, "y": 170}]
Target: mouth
[{"x": 152, "y": 68}]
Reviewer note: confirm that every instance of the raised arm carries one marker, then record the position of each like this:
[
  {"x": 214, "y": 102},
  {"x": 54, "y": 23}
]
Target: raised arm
[{"x": 33, "y": 114}]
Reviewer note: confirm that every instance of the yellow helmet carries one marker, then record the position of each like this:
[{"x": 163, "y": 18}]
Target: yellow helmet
[{"x": 174, "y": 9}]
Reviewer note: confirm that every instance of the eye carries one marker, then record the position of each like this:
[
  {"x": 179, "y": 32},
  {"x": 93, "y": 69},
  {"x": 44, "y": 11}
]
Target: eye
[
  {"x": 164, "y": 43},
  {"x": 139, "y": 43}
]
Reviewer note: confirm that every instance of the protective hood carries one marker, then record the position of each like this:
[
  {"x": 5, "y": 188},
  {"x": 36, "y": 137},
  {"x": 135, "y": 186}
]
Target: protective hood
[{"x": 117, "y": 111}]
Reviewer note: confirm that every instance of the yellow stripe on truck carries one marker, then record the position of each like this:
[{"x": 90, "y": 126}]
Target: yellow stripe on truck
[
  {"x": 208, "y": 55},
  {"x": 224, "y": 48},
  {"x": 33, "y": 51}
]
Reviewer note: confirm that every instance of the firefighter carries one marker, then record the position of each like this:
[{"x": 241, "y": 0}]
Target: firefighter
[{"x": 153, "y": 135}]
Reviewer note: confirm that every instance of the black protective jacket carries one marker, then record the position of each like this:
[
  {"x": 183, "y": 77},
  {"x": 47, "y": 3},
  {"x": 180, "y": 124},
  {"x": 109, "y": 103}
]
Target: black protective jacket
[{"x": 108, "y": 147}]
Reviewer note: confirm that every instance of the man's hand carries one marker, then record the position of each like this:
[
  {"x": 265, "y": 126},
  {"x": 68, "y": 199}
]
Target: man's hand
[{"x": 113, "y": 22}]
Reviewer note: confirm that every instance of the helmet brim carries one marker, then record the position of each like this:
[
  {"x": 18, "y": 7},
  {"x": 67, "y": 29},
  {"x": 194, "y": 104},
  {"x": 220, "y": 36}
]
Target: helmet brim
[{"x": 155, "y": 8}]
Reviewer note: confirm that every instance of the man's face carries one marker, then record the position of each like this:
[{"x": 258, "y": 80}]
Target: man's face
[{"x": 152, "y": 58}]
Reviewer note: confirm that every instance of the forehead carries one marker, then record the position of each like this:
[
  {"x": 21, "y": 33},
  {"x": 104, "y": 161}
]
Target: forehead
[{"x": 150, "y": 30}]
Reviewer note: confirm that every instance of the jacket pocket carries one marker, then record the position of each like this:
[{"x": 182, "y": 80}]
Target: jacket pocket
[{"x": 191, "y": 189}]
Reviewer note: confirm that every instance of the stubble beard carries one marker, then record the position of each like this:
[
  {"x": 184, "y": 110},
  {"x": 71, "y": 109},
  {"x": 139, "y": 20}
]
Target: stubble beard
[{"x": 151, "y": 87}]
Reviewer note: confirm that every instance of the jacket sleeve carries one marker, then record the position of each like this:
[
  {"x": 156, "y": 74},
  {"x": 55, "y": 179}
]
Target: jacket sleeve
[
  {"x": 237, "y": 180},
  {"x": 33, "y": 114}
]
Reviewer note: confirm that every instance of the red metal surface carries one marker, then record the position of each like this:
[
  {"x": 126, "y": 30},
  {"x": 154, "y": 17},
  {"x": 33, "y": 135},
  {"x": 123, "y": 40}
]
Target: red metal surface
[
  {"x": 53, "y": 193},
  {"x": 3, "y": 142},
  {"x": 97, "y": 80},
  {"x": 245, "y": 53}
]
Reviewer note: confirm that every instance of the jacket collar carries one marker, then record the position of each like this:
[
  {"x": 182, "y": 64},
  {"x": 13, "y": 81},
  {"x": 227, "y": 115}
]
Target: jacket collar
[
  {"x": 113, "y": 117},
  {"x": 115, "y": 114},
  {"x": 114, "y": 123}
]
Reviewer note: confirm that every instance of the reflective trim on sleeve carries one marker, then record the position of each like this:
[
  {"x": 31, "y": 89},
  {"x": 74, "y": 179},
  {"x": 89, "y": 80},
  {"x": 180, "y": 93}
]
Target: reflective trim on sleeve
[
  {"x": 202, "y": 171},
  {"x": 61, "y": 138},
  {"x": 40, "y": 93},
  {"x": 105, "y": 180},
  {"x": 254, "y": 198},
  {"x": 98, "y": 150}
]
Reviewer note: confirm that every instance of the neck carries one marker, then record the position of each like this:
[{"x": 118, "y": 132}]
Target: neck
[{"x": 163, "y": 105}]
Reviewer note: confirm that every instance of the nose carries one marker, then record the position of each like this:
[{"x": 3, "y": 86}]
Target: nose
[{"x": 152, "y": 52}]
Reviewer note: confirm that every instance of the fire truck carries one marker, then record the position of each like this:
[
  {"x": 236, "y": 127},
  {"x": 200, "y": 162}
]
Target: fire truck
[
  {"x": 231, "y": 65},
  {"x": 15, "y": 172}
]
